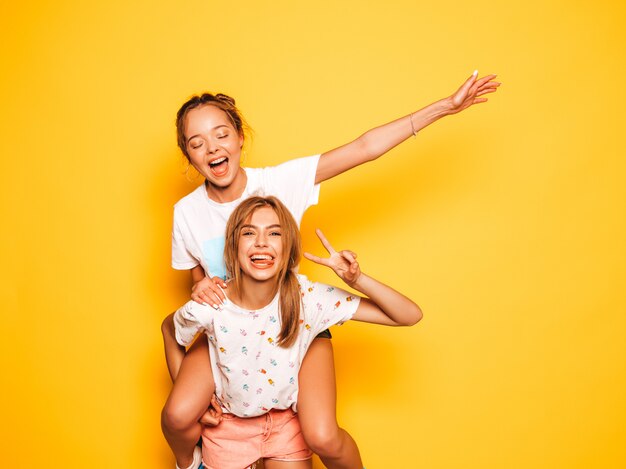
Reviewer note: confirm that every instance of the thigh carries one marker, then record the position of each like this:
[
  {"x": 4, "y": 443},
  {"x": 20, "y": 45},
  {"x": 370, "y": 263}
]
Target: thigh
[
  {"x": 274, "y": 464},
  {"x": 194, "y": 386},
  {"x": 317, "y": 395}
]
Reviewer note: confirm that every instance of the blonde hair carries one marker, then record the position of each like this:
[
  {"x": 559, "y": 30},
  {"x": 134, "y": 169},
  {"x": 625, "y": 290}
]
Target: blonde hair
[{"x": 287, "y": 283}]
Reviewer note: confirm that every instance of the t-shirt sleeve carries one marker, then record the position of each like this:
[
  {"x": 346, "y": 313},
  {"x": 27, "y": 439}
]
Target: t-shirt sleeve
[
  {"x": 181, "y": 258},
  {"x": 293, "y": 182},
  {"x": 325, "y": 305},
  {"x": 190, "y": 319}
]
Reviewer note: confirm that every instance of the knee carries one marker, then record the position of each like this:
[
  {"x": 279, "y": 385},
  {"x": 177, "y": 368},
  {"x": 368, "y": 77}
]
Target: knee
[
  {"x": 325, "y": 440},
  {"x": 167, "y": 326},
  {"x": 177, "y": 416}
]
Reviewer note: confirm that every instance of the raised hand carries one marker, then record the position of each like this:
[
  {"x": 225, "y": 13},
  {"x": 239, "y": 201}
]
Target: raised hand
[
  {"x": 469, "y": 93},
  {"x": 343, "y": 263}
]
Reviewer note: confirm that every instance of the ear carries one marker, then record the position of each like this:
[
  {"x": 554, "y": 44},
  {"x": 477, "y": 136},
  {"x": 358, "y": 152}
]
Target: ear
[{"x": 241, "y": 140}]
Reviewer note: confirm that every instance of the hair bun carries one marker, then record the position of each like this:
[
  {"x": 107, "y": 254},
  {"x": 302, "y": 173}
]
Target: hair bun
[{"x": 226, "y": 98}]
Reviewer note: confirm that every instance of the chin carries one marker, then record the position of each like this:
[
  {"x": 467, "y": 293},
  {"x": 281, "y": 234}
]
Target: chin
[{"x": 262, "y": 276}]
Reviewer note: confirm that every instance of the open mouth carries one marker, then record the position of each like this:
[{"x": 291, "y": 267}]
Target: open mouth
[
  {"x": 219, "y": 166},
  {"x": 262, "y": 260}
]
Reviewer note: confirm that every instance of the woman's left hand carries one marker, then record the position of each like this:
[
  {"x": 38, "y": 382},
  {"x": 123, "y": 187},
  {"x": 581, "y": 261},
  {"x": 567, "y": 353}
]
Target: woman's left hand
[
  {"x": 213, "y": 415},
  {"x": 469, "y": 93},
  {"x": 343, "y": 263}
]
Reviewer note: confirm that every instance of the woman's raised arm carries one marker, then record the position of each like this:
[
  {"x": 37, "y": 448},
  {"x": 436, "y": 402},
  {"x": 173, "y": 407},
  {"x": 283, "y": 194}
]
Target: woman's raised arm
[
  {"x": 379, "y": 140},
  {"x": 384, "y": 306}
]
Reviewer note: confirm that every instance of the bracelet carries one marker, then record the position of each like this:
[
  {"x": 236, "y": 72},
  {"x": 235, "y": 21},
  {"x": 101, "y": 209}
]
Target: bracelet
[{"x": 412, "y": 126}]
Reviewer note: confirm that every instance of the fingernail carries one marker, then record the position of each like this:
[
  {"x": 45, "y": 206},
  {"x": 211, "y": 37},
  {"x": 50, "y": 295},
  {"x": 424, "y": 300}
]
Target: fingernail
[
  {"x": 475, "y": 73},
  {"x": 204, "y": 304},
  {"x": 215, "y": 306}
]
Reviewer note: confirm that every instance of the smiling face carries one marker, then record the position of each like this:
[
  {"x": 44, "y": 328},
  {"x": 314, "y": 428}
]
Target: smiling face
[
  {"x": 260, "y": 252},
  {"x": 262, "y": 245},
  {"x": 213, "y": 145}
]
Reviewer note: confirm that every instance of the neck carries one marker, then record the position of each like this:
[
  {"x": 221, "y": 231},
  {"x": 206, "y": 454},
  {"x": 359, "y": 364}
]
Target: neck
[
  {"x": 229, "y": 193},
  {"x": 254, "y": 294}
]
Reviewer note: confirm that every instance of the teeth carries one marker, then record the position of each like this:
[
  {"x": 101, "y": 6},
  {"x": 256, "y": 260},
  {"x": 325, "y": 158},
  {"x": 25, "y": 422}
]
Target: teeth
[
  {"x": 260, "y": 257},
  {"x": 217, "y": 161}
]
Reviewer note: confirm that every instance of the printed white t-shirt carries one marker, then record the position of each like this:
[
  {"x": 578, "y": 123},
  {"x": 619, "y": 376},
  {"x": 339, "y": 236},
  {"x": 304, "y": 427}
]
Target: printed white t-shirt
[
  {"x": 252, "y": 374},
  {"x": 199, "y": 222}
]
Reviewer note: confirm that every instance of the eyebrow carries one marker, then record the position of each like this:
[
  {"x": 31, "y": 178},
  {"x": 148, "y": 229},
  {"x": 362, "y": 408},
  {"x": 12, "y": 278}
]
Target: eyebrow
[
  {"x": 214, "y": 128},
  {"x": 270, "y": 227}
]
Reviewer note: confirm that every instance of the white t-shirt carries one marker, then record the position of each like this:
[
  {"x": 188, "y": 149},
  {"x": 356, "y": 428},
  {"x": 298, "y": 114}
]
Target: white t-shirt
[
  {"x": 199, "y": 222},
  {"x": 252, "y": 374}
]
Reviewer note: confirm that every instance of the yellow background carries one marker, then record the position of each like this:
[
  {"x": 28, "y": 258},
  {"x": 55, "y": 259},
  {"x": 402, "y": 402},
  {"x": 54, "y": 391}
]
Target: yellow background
[{"x": 505, "y": 223}]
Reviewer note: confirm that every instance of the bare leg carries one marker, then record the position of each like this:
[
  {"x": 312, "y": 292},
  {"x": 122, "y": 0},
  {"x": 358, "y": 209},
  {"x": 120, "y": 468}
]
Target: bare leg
[
  {"x": 174, "y": 353},
  {"x": 273, "y": 464},
  {"x": 188, "y": 400},
  {"x": 317, "y": 401}
]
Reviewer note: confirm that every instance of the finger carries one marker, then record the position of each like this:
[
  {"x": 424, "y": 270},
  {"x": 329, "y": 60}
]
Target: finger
[
  {"x": 204, "y": 298},
  {"x": 216, "y": 405},
  {"x": 468, "y": 83},
  {"x": 209, "y": 419},
  {"x": 217, "y": 291},
  {"x": 347, "y": 255},
  {"x": 482, "y": 92},
  {"x": 485, "y": 79},
  {"x": 489, "y": 86},
  {"x": 324, "y": 241},
  {"x": 219, "y": 281},
  {"x": 197, "y": 299},
  {"x": 351, "y": 252},
  {"x": 218, "y": 294},
  {"x": 209, "y": 298},
  {"x": 480, "y": 100},
  {"x": 316, "y": 259}
]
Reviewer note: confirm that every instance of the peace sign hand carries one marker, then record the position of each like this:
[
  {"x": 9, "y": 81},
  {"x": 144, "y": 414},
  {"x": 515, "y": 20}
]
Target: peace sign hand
[{"x": 343, "y": 263}]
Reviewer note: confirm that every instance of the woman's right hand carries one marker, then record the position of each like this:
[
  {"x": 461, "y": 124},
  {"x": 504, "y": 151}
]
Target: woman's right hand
[
  {"x": 208, "y": 291},
  {"x": 343, "y": 263}
]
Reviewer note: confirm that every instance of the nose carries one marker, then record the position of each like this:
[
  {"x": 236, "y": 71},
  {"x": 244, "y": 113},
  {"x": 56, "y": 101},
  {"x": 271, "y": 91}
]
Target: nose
[
  {"x": 211, "y": 146},
  {"x": 261, "y": 239}
]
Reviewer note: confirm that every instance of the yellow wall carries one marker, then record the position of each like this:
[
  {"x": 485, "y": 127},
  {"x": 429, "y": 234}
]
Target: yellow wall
[{"x": 506, "y": 223}]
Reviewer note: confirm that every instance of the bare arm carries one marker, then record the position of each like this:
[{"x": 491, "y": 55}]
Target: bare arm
[
  {"x": 378, "y": 141},
  {"x": 197, "y": 274},
  {"x": 384, "y": 306}
]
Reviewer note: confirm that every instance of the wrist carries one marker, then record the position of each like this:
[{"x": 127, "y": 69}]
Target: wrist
[
  {"x": 443, "y": 107},
  {"x": 358, "y": 284},
  {"x": 431, "y": 113}
]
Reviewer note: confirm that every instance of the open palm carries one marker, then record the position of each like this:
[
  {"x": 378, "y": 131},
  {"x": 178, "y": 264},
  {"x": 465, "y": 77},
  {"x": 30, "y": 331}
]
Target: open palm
[{"x": 469, "y": 93}]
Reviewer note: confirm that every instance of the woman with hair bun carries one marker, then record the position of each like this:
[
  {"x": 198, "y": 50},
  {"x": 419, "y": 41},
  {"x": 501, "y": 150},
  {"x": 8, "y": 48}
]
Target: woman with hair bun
[{"x": 211, "y": 134}]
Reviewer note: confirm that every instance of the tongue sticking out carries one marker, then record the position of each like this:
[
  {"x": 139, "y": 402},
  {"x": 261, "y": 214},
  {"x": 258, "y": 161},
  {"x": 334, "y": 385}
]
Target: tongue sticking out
[{"x": 262, "y": 261}]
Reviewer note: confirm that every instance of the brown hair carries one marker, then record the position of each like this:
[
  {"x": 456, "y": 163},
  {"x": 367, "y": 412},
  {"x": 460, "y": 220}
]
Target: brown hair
[
  {"x": 220, "y": 101},
  {"x": 287, "y": 283}
]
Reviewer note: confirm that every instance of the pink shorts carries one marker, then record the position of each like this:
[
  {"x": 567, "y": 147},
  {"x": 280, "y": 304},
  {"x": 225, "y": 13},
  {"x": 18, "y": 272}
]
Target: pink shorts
[{"x": 237, "y": 442}]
